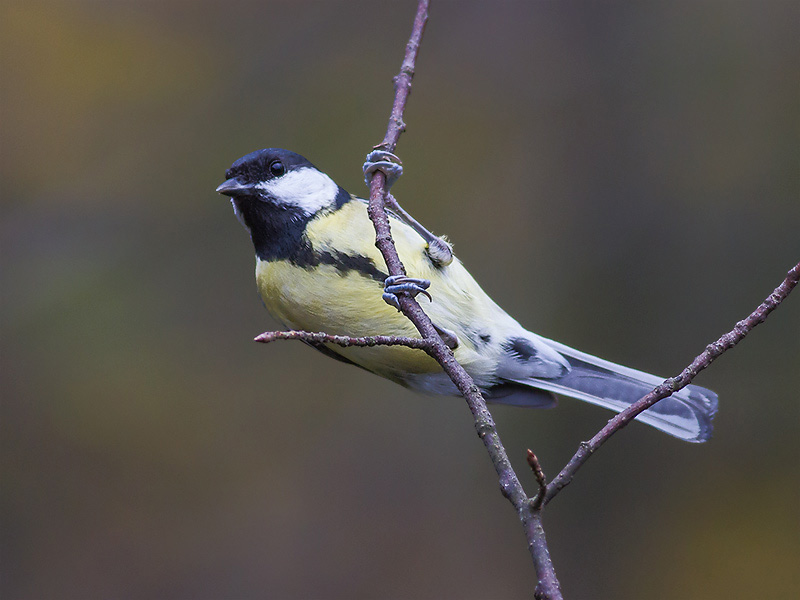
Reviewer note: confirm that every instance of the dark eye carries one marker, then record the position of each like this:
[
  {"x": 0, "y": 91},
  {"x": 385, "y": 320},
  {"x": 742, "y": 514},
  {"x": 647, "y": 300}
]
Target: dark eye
[{"x": 276, "y": 168}]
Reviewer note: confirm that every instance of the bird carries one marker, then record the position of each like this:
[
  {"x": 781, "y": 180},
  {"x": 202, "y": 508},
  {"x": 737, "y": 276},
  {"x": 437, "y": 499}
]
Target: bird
[{"x": 318, "y": 269}]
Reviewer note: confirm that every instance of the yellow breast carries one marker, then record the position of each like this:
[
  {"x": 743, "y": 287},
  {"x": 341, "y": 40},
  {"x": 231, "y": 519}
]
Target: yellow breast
[{"x": 343, "y": 301}]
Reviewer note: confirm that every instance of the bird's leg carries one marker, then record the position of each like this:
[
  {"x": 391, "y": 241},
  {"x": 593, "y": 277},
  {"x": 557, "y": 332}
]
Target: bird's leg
[
  {"x": 438, "y": 250},
  {"x": 400, "y": 284}
]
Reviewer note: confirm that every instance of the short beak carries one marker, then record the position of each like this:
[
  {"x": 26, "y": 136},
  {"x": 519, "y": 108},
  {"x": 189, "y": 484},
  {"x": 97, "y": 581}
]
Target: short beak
[{"x": 233, "y": 187}]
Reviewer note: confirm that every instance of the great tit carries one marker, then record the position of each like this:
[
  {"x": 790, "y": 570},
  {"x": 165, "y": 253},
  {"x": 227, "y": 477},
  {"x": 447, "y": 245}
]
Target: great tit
[{"x": 317, "y": 269}]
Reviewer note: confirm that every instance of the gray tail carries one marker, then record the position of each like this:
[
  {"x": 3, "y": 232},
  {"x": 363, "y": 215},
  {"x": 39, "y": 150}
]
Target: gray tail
[{"x": 687, "y": 414}]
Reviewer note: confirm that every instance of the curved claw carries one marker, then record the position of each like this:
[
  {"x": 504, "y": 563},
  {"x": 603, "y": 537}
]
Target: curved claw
[
  {"x": 377, "y": 155},
  {"x": 391, "y": 300},
  {"x": 401, "y": 284},
  {"x": 408, "y": 288},
  {"x": 388, "y": 163}
]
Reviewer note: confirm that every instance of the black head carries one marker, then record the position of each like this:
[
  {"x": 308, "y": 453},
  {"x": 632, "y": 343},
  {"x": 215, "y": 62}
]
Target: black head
[
  {"x": 275, "y": 193},
  {"x": 263, "y": 165}
]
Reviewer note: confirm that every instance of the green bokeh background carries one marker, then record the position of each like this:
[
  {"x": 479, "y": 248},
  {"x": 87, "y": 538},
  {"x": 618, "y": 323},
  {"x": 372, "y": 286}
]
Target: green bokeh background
[{"x": 622, "y": 177}]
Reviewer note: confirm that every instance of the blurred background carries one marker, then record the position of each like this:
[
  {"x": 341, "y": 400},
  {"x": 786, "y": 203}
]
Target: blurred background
[{"x": 621, "y": 177}]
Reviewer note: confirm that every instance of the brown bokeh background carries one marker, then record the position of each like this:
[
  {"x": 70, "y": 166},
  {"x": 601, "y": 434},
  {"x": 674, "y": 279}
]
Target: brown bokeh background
[{"x": 622, "y": 177}]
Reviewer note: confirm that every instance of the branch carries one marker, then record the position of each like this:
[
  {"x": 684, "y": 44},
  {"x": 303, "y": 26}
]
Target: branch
[
  {"x": 484, "y": 423},
  {"x": 343, "y": 340},
  {"x": 673, "y": 384}
]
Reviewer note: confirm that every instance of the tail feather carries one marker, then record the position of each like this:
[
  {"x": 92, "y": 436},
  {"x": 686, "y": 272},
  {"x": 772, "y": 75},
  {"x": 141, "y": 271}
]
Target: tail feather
[{"x": 687, "y": 414}]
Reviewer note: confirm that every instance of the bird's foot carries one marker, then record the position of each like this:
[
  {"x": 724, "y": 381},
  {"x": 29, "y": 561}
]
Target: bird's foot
[
  {"x": 388, "y": 163},
  {"x": 400, "y": 284}
]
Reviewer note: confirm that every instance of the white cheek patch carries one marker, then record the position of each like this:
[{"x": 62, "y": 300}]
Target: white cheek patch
[{"x": 308, "y": 189}]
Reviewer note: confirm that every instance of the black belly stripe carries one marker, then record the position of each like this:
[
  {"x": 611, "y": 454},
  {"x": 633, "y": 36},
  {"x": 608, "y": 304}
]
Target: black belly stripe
[{"x": 309, "y": 258}]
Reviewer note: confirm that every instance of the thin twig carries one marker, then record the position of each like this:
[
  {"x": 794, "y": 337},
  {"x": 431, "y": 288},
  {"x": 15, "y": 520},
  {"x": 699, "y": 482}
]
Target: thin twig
[
  {"x": 343, "y": 340},
  {"x": 712, "y": 351},
  {"x": 538, "y": 472}
]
